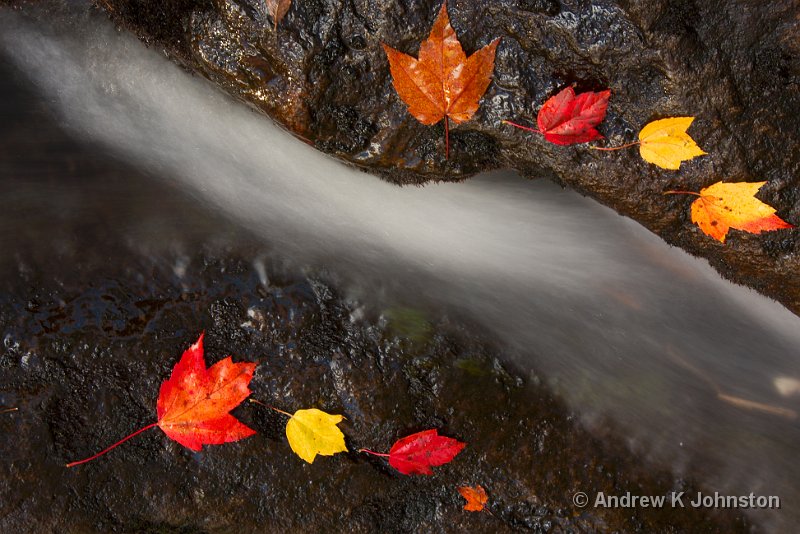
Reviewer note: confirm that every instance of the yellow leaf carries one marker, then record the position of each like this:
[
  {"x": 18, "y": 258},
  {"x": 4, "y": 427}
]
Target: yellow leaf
[
  {"x": 733, "y": 205},
  {"x": 312, "y": 432},
  {"x": 665, "y": 142}
]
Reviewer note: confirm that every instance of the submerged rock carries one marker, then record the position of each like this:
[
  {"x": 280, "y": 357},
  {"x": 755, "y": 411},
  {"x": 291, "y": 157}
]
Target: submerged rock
[{"x": 732, "y": 64}]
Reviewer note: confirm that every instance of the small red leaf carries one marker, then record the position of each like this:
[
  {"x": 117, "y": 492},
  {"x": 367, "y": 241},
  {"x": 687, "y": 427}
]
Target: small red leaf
[
  {"x": 567, "y": 119},
  {"x": 417, "y": 453}
]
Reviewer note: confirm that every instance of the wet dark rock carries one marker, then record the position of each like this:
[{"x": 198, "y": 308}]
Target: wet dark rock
[
  {"x": 87, "y": 341},
  {"x": 735, "y": 65},
  {"x": 85, "y": 367}
]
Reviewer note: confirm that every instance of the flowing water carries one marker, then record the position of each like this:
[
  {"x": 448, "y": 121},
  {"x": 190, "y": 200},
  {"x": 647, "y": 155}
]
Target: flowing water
[{"x": 695, "y": 371}]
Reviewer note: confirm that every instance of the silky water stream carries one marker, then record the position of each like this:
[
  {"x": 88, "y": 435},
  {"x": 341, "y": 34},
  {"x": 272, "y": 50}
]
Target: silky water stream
[{"x": 696, "y": 372}]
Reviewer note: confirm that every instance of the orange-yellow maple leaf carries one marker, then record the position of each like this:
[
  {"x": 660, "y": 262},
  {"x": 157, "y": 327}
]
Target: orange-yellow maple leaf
[
  {"x": 723, "y": 206},
  {"x": 476, "y": 498},
  {"x": 443, "y": 83}
]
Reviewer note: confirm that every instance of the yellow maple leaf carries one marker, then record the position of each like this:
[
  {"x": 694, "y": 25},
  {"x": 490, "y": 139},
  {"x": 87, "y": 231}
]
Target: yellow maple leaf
[
  {"x": 665, "y": 142},
  {"x": 723, "y": 206},
  {"x": 312, "y": 432}
]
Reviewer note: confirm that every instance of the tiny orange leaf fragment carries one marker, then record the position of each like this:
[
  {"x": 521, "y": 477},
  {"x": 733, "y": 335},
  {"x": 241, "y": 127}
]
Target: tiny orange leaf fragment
[
  {"x": 476, "y": 498},
  {"x": 443, "y": 83},
  {"x": 723, "y": 206}
]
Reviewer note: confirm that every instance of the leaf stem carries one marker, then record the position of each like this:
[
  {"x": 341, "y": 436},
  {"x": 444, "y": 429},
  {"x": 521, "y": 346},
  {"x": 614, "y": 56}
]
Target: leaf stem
[
  {"x": 681, "y": 193},
  {"x": 7, "y": 410},
  {"x": 374, "y": 453},
  {"x": 521, "y": 127},
  {"x": 287, "y": 414},
  {"x": 115, "y": 445},
  {"x": 615, "y": 148},
  {"x": 446, "y": 137}
]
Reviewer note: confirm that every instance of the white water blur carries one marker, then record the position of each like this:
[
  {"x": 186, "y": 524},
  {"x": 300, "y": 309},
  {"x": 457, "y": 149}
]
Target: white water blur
[{"x": 625, "y": 328}]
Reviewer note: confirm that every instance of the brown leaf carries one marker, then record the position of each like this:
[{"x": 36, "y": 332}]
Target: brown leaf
[{"x": 278, "y": 9}]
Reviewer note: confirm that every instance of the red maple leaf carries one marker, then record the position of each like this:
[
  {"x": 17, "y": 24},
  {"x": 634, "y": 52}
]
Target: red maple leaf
[
  {"x": 567, "y": 119},
  {"x": 193, "y": 404},
  {"x": 417, "y": 453}
]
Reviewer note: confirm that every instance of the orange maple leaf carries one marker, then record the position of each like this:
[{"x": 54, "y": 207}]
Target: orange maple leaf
[
  {"x": 723, "y": 206},
  {"x": 443, "y": 83},
  {"x": 193, "y": 404},
  {"x": 476, "y": 498}
]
